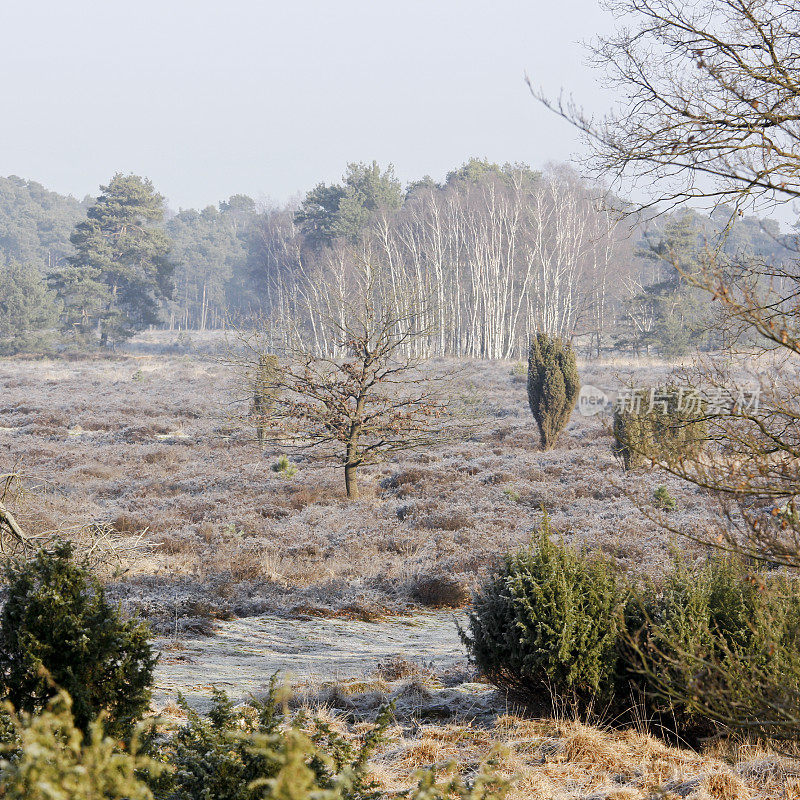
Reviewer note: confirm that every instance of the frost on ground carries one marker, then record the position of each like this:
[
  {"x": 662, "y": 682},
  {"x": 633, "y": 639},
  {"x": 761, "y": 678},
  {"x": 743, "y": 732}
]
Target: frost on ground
[
  {"x": 245, "y": 653},
  {"x": 442, "y": 717},
  {"x": 348, "y": 670},
  {"x": 297, "y": 579},
  {"x": 144, "y": 444}
]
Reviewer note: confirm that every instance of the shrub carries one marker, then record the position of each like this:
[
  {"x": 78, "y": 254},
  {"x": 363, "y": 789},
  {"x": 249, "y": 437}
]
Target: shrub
[
  {"x": 440, "y": 591},
  {"x": 711, "y": 647},
  {"x": 512, "y": 494},
  {"x": 548, "y": 620},
  {"x": 664, "y": 500},
  {"x": 237, "y": 753},
  {"x": 248, "y": 753},
  {"x": 58, "y": 630},
  {"x": 284, "y": 467},
  {"x": 718, "y": 645},
  {"x": 53, "y": 760},
  {"x": 519, "y": 372},
  {"x": 657, "y": 426},
  {"x": 553, "y": 386}
]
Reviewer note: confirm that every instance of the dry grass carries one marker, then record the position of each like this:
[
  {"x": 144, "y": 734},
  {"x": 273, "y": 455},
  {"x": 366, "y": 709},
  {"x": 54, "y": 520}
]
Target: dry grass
[
  {"x": 544, "y": 761},
  {"x": 573, "y": 761},
  {"x": 229, "y": 536},
  {"x": 466, "y": 726}
]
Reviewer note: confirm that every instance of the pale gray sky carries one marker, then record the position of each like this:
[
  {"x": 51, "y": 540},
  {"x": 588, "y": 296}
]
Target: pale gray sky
[{"x": 268, "y": 98}]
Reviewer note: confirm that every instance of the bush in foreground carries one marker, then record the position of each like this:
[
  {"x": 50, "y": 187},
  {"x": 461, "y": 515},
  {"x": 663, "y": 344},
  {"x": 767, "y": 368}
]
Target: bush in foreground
[
  {"x": 718, "y": 645},
  {"x": 246, "y": 752},
  {"x": 58, "y": 631},
  {"x": 52, "y": 759},
  {"x": 253, "y": 752},
  {"x": 711, "y": 647},
  {"x": 547, "y": 620}
]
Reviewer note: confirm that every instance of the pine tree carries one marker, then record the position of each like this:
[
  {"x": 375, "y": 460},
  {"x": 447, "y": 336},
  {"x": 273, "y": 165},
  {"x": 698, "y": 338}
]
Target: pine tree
[
  {"x": 28, "y": 311},
  {"x": 121, "y": 271},
  {"x": 344, "y": 210},
  {"x": 553, "y": 385},
  {"x": 679, "y": 312}
]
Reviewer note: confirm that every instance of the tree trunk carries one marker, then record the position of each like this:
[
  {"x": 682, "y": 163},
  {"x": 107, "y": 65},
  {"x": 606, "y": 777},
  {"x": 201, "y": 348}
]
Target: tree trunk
[{"x": 351, "y": 481}]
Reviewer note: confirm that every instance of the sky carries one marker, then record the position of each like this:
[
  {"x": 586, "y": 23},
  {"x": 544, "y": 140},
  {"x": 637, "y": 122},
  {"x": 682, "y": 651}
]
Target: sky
[{"x": 209, "y": 99}]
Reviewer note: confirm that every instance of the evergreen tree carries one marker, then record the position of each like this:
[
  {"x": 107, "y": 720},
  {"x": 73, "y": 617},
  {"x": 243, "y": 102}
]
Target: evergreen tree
[
  {"x": 208, "y": 246},
  {"x": 679, "y": 311},
  {"x": 553, "y": 385},
  {"x": 473, "y": 171},
  {"x": 121, "y": 270},
  {"x": 28, "y": 311},
  {"x": 58, "y": 630},
  {"x": 35, "y": 224},
  {"x": 344, "y": 210}
]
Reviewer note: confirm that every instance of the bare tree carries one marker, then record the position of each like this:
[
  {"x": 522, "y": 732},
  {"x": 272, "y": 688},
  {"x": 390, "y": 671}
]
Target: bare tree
[
  {"x": 363, "y": 395},
  {"x": 711, "y": 113},
  {"x": 717, "y": 116},
  {"x": 709, "y": 100}
]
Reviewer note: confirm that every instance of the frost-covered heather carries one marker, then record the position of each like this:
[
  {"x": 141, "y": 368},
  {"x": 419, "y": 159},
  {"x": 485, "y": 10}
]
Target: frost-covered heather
[{"x": 144, "y": 443}]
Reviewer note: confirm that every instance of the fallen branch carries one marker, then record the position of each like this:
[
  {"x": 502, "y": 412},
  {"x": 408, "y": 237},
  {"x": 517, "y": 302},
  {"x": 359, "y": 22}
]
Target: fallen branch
[{"x": 9, "y": 524}]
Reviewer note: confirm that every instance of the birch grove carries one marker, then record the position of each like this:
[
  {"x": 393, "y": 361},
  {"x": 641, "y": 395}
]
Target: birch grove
[{"x": 490, "y": 260}]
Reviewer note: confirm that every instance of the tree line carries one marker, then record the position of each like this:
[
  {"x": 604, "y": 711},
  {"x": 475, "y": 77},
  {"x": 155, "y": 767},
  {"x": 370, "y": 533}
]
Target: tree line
[{"x": 496, "y": 251}]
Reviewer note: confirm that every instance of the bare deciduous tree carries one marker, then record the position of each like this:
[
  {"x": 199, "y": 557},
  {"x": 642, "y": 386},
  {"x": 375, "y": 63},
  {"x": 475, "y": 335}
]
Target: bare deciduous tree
[
  {"x": 363, "y": 395},
  {"x": 497, "y": 256},
  {"x": 709, "y": 100}
]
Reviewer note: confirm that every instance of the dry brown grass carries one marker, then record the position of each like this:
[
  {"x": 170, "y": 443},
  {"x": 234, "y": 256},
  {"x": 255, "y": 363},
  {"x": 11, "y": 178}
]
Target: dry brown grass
[
  {"x": 792, "y": 789},
  {"x": 573, "y": 762},
  {"x": 544, "y": 759}
]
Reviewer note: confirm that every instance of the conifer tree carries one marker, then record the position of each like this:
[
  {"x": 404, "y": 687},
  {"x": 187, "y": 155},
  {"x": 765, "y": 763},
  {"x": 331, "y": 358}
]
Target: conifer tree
[
  {"x": 58, "y": 631},
  {"x": 121, "y": 270},
  {"x": 553, "y": 385},
  {"x": 28, "y": 311}
]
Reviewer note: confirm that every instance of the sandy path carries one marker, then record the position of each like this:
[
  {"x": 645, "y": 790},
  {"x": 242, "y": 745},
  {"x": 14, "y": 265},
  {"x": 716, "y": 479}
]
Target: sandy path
[{"x": 244, "y": 653}]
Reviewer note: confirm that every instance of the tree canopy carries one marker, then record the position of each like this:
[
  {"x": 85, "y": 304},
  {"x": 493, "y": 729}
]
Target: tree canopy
[{"x": 121, "y": 269}]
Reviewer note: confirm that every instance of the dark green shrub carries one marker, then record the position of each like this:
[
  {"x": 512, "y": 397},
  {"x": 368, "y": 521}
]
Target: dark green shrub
[
  {"x": 553, "y": 386},
  {"x": 58, "y": 630},
  {"x": 711, "y": 647},
  {"x": 718, "y": 645},
  {"x": 548, "y": 620},
  {"x": 657, "y": 426}
]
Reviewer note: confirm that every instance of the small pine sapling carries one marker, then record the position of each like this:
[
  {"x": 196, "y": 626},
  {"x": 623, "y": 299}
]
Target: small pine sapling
[
  {"x": 284, "y": 467},
  {"x": 663, "y": 500}
]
